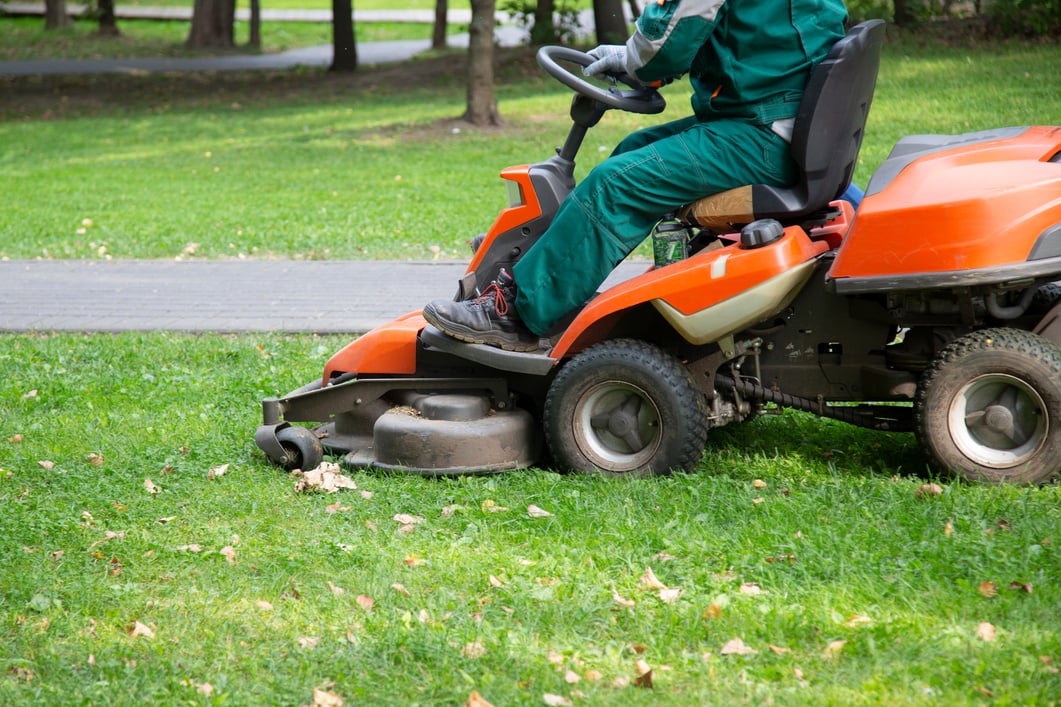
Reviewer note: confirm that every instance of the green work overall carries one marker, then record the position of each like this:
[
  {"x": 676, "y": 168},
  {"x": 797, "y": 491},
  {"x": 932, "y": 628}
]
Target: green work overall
[{"x": 748, "y": 62}]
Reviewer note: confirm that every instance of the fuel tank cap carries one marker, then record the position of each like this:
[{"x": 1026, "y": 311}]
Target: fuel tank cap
[{"x": 759, "y": 233}]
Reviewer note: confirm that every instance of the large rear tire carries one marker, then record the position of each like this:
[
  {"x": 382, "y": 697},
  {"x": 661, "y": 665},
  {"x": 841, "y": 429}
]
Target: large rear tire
[
  {"x": 989, "y": 407},
  {"x": 625, "y": 408}
]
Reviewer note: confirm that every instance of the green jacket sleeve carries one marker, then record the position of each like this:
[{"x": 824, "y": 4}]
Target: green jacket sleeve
[{"x": 668, "y": 36}]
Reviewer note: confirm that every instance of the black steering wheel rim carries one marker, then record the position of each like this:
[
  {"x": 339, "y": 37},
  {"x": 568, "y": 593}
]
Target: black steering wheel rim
[{"x": 639, "y": 99}]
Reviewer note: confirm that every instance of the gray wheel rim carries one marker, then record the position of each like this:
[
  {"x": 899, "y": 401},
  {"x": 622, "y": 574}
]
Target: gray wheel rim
[
  {"x": 617, "y": 426},
  {"x": 998, "y": 421}
]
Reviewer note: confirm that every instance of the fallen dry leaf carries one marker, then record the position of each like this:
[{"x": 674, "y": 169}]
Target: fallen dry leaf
[
  {"x": 986, "y": 631},
  {"x": 447, "y": 512},
  {"x": 46, "y": 464},
  {"x": 263, "y": 605},
  {"x": 713, "y": 611},
  {"x": 735, "y": 646},
  {"x": 400, "y": 588},
  {"x": 643, "y": 672},
  {"x": 29, "y": 395},
  {"x": 365, "y": 602},
  {"x": 15, "y": 439},
  {"x": 1025, "y": 587},
  {"x": 988, "y": 589},
  {"x": 948, "y": 529},
  {"x": 309, "y": 642},
  {"x": 138, "y": 629},
  {"x": 327, "y": 477},
  {"x": 326, "y": 698},
  {"x": 535, "y": 512},
  {"x": 752, "y": 589},
  {"x": 489, "y": 506},
  {"x": 858, "y": 620},
  {"x": 669, "y": 596},
  {"x": 556, "y": 700},
  {"x": 650, "y": 581},
  {"x": 628, "y": 603},
  {"x": 495, "y": 582},
  {"x": 336, "y": 507},
  {"x": 336, "y": 590},
  {"x": 928, "y": 491},
  {"x": 759, "y": 484},
  {"x": 833, "y": 649},
  {"x": 473, "y": 650},
  {"x": 217, "y": 471},
  {"x": 593, "y": 675},
  {"x": 571, "y": 677},
  {"x": 95, "y": 459},
  {"x": 407, "y": 519},
  {"x": 476, "y": 700},
  {"x": 151, "y": 487},
  {"x": 190, "y": 548},
  {"x": 229, "y": 553},
  {"x": 205, "y": 689},
  {"x": 779, "y": 650}
]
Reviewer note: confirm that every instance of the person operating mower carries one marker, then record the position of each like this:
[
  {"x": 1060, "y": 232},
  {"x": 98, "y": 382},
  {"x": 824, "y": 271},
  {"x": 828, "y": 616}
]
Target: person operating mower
[{"x": 749, "y": 62}]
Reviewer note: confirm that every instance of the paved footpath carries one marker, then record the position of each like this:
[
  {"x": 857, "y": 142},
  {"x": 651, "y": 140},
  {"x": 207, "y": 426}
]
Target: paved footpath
[{"x": 223, "y": 295}]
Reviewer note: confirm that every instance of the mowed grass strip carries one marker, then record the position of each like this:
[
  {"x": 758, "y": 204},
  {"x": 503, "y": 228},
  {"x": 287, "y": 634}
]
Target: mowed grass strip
[
  {"x": 151, "y": 554},
  {"x": 374, "y": 165}
]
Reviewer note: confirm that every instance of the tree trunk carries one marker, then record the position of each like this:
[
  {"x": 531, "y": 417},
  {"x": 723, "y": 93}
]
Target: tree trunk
[
  {"x": 254, "y": 39},
  {"x": 213, "y": 23},
  {"x": 344, "y": 46},
  {"x": 438, "y": 35},
  {"x": 108, "y": 23},
  {"x": 55, "y": 14},
  {"x": 903, "y": 16},
  {"x": 611, "y": 22},
  {"x": 635, "y": 11},
  {"x": 544, "y": 30},
  {"x": 482, "y": 107}
]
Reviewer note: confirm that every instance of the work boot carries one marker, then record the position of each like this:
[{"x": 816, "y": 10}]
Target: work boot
[{"x": 490, "y": 318}]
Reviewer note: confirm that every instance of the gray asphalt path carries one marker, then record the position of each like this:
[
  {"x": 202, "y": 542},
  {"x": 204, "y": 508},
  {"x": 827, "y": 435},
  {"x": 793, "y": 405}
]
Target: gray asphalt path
[{"x": 223, "y": 295}]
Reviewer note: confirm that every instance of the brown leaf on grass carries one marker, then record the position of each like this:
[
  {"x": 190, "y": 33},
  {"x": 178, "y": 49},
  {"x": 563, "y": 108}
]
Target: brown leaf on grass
[
  {"x": 205, "y": 689},
  {"x": 928, "y": 491},
  {"x": 571, "y": 677},
  {"x": 669, "y": 596},
  {"x": 593, "y": 675},
  {"x": 447, "y": 512},
  {"x": 229, "y": 553},
  {"x": 108, "y": 535},
  {"x": 336, "y": 589},
  {"x": 327, "y": 477},
  {"x": 778, "y": 650},
  {"x": 495, "y": 582},
  {"x": 713, "y": 611},
  {"x": 752, "y": 589},
  {"x": 15, "y": 439},
  {"x": 30, "y": 395},
  {"x": 621, "y": 601},
  {"x": 308, "y": 642},
  {"x": 489, "y": 506},
  {"x": 323, "y": 697},
  {"x": 167, "y": 519},
  {"x": 556, "y": 700},
  {"x": 473, "y": 650},
  {"x": 986, "y": 632},
  {"x": 413, "y": 561},
  {"x": 365, "y": 602},
  {"x": 336, "y": 507},
  {"x": 1025, "y": 587},
  {"x": 189, "y": 548},
  {"x": 217, "y": 472},
  {"x": 46, "y": 464},
  {"x": 988, "y": 589},
  {"x": 95, "y": 459},
  {"x": 736, "y": 646},
  {"x": 758, "y": 484},
  {"x": 400, "y": 588},
  {"x": 833, "y": 649},
  {"x": 535, "y": 512},
  {"x": 150, "y": 486},
  {"x": 407, "y": 519},
  {"x": 263, "y": 605},
  {"x": 948, "y": 529},
  {"x": 476, "y": 700},
  {"x": 138, "y": 629},
  {"x": 650, "y": 581},
  {"x": 643, "y": 672},
  {"x": 858, "y": 620}
]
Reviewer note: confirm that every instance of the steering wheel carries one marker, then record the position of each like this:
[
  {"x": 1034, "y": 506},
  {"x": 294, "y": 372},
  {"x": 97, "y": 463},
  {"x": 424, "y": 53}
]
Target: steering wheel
[{"x": 640, "y": 99}]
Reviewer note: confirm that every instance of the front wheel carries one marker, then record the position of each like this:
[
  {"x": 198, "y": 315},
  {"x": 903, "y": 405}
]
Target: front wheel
[
  {"x": 625, "y": 407},
  {"x": 989, "y": 407},
  {"x": 302, "y": 449}
]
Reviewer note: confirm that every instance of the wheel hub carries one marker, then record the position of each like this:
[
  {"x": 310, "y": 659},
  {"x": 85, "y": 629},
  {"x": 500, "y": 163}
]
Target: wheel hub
[{"x": 998, "y": 420}]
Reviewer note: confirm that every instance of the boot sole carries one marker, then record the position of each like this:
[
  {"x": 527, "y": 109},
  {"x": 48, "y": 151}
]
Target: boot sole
[{"x": 502, "y": 340}]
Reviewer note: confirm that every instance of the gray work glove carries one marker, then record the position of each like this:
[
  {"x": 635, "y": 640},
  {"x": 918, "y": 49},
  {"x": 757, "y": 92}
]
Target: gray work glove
[{"x": 610, "y": 59}]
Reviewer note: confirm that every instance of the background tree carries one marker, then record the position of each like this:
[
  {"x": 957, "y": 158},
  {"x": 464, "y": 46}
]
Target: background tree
[
  {"x": 55, "y": 15},
  {"x": 108, "y": 22},
  {"x": 344, "y": 45},
  {"x": 611, "y": 22},
  {"x": 254, "y": 39},
  {"x": 544, "y": 29},
  {"x": 212, "y": 24},
  {"x": 481, "y": 104},
  {"x": 438, "y": 33}
]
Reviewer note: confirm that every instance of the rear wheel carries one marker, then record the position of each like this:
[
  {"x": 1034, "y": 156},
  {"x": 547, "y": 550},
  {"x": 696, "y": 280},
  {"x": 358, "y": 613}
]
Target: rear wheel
[
  {"x": 625, "y": 407},
  {"x": 989, "y": 407}
]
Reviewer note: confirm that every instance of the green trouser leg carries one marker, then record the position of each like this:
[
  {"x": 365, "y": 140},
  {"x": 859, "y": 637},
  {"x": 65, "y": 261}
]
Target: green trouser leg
[{"x": 652, "y": 172}]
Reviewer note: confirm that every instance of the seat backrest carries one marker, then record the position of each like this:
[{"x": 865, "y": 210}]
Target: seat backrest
[{"x": 828, "y": 129}]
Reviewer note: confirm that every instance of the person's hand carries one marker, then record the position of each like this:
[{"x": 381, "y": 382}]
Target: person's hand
[{"x": 610, "y": 59}]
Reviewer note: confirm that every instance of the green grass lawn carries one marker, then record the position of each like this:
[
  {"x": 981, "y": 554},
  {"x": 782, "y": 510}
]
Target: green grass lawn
[
  {"x": 152, "y": 555},
  {"x": 134, "y": 573}
]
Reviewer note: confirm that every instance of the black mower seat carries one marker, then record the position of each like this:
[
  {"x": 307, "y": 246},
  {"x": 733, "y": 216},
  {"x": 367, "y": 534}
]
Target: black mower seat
[{"x": 826, "y": 138}]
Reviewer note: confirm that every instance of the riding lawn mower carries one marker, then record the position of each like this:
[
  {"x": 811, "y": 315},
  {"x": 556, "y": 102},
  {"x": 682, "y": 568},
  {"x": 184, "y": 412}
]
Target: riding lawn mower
[{"x": 930, "y": 309}]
